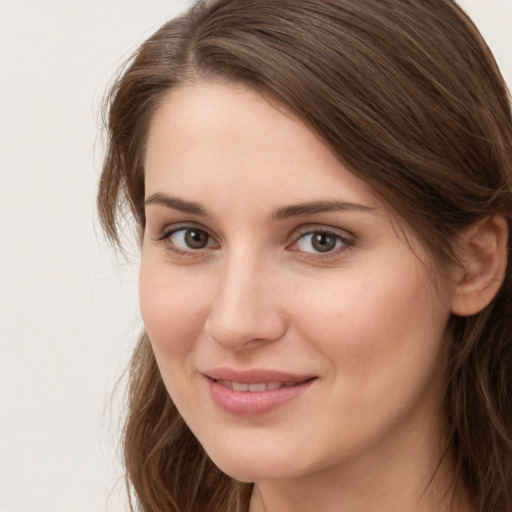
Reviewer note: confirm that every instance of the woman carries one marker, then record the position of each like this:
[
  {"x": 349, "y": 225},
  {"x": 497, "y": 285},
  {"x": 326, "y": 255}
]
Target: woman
[{"x": 323, "y": 195}]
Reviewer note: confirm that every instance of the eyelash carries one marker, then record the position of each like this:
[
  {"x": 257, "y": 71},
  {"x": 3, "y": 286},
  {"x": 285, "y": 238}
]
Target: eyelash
[
  {"x": 166, "y": 235},
  {"x": 346, "y": 243},
  {"x": 343, "y": 243}
]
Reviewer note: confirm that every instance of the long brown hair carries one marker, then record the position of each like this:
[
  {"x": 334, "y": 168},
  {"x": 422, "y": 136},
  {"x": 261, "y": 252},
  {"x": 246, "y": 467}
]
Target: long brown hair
[{"x": 408, "y": 96}]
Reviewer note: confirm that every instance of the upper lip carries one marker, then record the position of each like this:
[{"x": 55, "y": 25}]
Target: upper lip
[{"x": 256, "y": 375}]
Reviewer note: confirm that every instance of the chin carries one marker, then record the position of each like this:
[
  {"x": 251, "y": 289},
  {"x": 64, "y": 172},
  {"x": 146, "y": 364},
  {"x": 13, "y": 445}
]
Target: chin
[
  {"x": 253, "y": 463},
  {"x": 253, "y": 471}
]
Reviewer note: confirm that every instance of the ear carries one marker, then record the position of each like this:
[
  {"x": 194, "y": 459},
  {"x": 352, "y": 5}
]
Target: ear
[{"x": 483, "y": 253}]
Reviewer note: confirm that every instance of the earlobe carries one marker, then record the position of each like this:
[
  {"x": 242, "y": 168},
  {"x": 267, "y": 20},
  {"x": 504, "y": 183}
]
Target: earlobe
[{"x": 483, "y": 250}]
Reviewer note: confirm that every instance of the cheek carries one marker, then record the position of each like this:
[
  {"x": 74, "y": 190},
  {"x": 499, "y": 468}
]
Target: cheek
[
  {"x": 375, "y": 323},
  {"x": 173, "y": 308}
]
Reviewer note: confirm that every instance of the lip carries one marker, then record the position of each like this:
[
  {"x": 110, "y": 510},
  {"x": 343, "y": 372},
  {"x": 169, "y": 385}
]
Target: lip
[
  {"x": 254, "y": 403},
  {"x": 254, "y": 376}
]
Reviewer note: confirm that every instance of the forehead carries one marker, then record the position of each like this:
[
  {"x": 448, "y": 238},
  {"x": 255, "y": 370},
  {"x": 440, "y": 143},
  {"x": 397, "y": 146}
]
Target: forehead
[{"x": 210, "y": 139}]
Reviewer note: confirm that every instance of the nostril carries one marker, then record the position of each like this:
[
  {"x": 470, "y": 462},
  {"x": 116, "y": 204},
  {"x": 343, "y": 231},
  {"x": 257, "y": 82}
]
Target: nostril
[{"x": 244, "y": 329}]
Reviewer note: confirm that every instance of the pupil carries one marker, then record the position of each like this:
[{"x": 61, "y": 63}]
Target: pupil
[
  {"x": 323, "y": 242},
  {"x": 196, "y": 239}
]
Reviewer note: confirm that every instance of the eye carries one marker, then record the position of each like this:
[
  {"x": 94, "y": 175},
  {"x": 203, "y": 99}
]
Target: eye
[
  {"x": 187, "y": 239},
  {"x": 321, "y": 242}
]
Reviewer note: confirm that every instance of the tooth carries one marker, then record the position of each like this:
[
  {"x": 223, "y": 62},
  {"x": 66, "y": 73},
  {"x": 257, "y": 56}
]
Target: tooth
[
  {"x": 239, "y": 387},
  {"x": 261, "y": 386}
]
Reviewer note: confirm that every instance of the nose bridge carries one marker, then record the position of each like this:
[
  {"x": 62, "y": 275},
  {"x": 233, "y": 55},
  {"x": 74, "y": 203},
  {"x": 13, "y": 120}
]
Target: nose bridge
[{"x": 243, "y": 313}]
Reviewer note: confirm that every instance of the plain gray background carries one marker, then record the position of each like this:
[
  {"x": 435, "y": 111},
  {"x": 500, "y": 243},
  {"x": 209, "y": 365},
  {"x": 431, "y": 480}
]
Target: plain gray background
[{"x": 68, "y": 305}]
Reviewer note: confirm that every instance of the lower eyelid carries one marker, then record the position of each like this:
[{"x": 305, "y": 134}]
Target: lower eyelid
[
  {"x": 165, "y": 237},
  {"x": 345, "y": 243}
]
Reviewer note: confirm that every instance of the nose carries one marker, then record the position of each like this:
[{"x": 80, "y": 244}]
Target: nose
[{"x": 245, "y": 312}]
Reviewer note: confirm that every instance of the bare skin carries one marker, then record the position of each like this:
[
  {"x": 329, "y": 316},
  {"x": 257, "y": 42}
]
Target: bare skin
[{"x": 262, "y": 253}]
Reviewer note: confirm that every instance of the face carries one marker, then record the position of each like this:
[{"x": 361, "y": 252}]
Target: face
[{"x": 294, "y": 328}]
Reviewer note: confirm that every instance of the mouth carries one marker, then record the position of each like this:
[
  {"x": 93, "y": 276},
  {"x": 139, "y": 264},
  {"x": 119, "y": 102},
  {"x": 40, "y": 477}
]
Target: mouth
[
  {"x": 255, "y": 392},
  {"x": 258, "y": 386}
]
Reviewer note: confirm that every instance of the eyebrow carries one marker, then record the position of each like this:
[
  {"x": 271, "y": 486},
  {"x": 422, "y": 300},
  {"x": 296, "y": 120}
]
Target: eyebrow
[
  {"x": 314, "y": 207},
  {"x": 176, "y": 204},
  {"x": 279, "y": 214}
]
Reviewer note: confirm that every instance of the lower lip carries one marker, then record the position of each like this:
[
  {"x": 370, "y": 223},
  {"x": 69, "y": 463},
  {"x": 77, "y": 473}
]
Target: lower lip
[{"x": 257, "y": 403}]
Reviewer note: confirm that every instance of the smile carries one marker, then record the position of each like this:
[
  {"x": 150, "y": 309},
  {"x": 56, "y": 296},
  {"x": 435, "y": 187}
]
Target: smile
[
  {"x": 254, "y": 393},
  {"x": 257, "y": 387}
]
